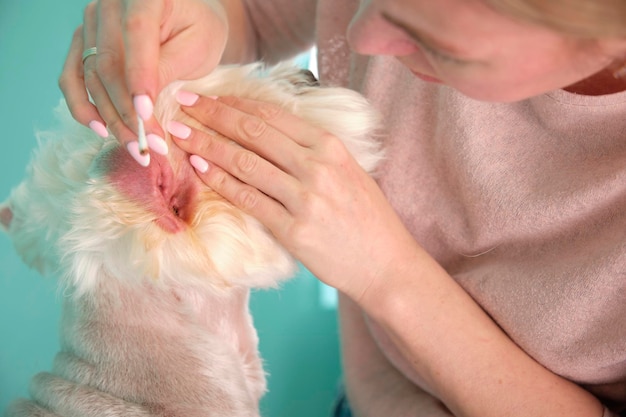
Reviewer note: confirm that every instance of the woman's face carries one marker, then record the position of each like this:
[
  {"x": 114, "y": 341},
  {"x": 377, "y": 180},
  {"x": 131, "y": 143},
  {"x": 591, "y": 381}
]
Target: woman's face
[{"x": 470, "y": 47}]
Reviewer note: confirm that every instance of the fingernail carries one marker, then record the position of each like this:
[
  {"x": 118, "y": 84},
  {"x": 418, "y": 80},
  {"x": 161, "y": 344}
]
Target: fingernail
[
  {"x": 199, "y": 163},
  {"x": 143, "y": 106},
  {"x": 157, "y": 144},
  {"x": 178, "y": 129},
  {"x": 133, "y": 150},
  {"x": 99, "y": 128},
  {"x": 186, "y": 98}
]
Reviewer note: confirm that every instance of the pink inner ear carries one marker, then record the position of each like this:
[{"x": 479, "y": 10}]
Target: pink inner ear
[{"x": 6, "y": 215}]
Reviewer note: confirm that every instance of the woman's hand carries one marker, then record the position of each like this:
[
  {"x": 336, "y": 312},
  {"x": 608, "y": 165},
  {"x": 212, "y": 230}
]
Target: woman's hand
[
  {"x": 141, "y": 47},
  {"x": 301, "y": 183}
]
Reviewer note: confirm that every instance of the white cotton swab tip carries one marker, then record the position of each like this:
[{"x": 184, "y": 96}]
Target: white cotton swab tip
[{"x": 143, "y": 142}]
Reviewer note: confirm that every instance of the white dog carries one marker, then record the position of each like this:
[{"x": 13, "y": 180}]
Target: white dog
[{"x": 156, "y": 268}]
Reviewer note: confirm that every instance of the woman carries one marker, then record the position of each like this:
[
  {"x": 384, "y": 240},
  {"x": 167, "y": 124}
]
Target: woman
[{"x": 482, "y": 274}]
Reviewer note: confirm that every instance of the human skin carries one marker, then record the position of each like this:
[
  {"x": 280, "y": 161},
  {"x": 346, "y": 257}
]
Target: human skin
[
  {"x": 142, "y": 47},
  {"x": 334, "y": 218},
  {"x": 373, "y": 385},
  {"x": 114, "y": 77},
  {"x": 321, "y": 206},
  {"x": 525, "y": 61}
]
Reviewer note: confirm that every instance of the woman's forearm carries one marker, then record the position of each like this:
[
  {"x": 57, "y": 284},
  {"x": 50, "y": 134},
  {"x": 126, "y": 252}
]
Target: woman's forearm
[
  {"x": 241, "y": 46},
  {"x": 374, "y": 387},
  {"x": 463, "y": 356}
]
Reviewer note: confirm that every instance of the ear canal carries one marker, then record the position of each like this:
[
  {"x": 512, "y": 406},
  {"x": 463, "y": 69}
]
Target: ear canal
[{"x": 6, "y": 215}]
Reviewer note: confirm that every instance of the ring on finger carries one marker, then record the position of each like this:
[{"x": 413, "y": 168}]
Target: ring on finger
[{"x": 89, "y": 52}]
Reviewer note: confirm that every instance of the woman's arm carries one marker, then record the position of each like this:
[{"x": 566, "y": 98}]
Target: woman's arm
[
  {"x": 334, "y": 218},
  {"x": 241, "y": 46},
  {"x": 282, "y": 28},
  {"x": 463, "y": 356},
  {"x": 373, "y": 386}
]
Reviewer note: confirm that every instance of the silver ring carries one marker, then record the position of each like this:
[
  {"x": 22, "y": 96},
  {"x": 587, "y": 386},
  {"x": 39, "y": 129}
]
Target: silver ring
[{"x": 89, "y": 52}]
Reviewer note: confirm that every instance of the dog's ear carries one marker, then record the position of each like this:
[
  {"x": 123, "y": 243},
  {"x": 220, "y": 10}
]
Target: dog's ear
[{"x": 6, "y": 215}]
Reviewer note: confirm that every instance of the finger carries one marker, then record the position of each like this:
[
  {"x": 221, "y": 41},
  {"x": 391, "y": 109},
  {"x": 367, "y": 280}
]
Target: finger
[
  {"x": 267, "y": 210},
  {"x": 304, "y": 133},
  {"x": 251, "y": 132},
  {"x": 72, "y": 84},
  {"x": 316, "y": 139},
  {"x": 91, "y": 91},
  {"x": 141, "y": 23},
  {"x": 121, "y": 117},
  {"x": 239, "y": 162}
]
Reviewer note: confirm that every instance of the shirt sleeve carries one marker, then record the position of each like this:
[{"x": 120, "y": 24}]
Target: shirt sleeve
[{"x": 283, "y": 28}]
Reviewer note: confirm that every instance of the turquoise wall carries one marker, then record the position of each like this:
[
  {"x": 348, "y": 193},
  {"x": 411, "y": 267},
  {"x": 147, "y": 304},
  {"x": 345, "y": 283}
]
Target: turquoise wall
[{"x": 296, "y": 324}]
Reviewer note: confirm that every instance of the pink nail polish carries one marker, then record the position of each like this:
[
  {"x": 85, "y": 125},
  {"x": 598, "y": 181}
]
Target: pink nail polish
[
  {"x": 186, "y": 98},
  {"x": 143, "y": 106},
  {"x": 99, "y": 128},
  {"x": 157, "y": 144},
  {"x": 133, "y": 150},
  {"x": 199, "y": 163},
  {"x": 178, "y": 129}
]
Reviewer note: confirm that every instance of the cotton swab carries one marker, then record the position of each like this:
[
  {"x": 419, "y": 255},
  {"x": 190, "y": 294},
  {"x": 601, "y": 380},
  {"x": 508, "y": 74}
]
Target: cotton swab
[{"x": 143, "y": 142}]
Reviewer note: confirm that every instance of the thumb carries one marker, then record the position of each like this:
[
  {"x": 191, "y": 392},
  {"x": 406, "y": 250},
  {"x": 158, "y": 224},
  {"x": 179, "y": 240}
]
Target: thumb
[{"x": 194, "y": 50}]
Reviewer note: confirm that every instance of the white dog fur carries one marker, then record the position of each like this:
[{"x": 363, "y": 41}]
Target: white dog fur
[{"x": 155, "y": 322}]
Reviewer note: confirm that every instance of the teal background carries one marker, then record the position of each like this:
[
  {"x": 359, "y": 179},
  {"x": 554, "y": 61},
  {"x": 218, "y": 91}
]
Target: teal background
[{"x": 296, "y": 325}]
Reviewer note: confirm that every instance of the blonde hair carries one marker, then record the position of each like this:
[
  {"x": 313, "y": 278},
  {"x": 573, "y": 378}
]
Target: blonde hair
[{"x": 582, "y": 18}]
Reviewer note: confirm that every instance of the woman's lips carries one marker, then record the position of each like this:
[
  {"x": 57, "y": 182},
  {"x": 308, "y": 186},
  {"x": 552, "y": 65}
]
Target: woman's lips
[{"x": 427, "y": 78}]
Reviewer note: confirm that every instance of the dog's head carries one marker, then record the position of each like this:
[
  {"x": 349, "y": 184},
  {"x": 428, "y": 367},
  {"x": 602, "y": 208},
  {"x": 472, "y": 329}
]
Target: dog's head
[{"x": 89, "y": 212}]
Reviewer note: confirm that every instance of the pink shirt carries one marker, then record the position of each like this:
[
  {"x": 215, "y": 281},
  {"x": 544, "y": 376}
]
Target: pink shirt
[{"x": 524, "y": 204}]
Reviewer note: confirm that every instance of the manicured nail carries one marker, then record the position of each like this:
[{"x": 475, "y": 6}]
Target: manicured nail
[
  {"x": 186, "y": 98},
  {"x": 99, "y": 128},
  {"x": 143, "y": 106},
  {"x": 157, "y": 144},
  {"x": 133, "y": 150},
  {"x": 199, "y": 163},
  {"x": 178, "y": 129}
]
